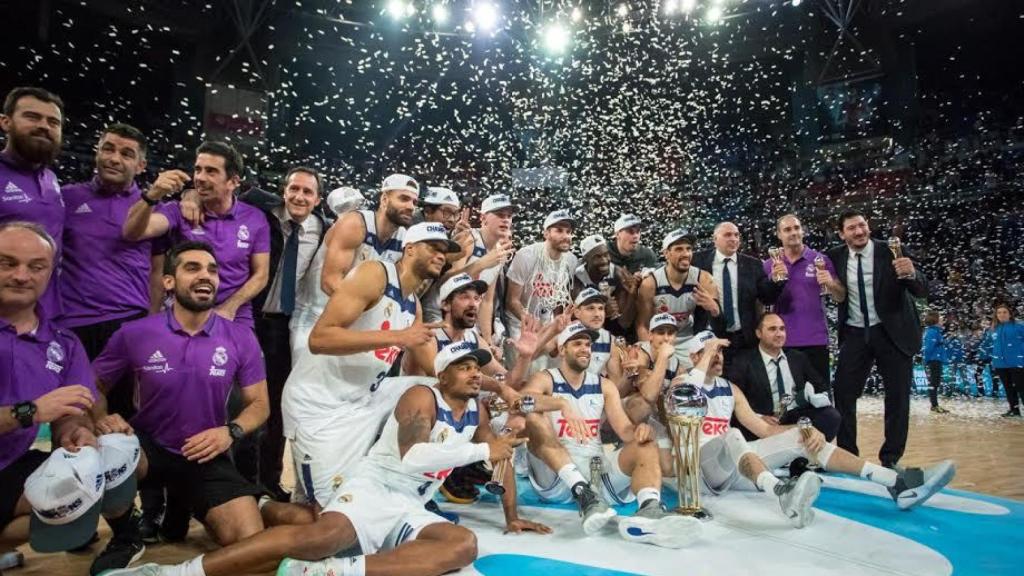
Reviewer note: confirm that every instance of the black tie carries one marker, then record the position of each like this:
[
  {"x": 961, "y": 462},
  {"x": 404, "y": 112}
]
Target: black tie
[
  {"x": 730, "y": 316},
  {"x": 780, "y": 384},
  {"x": 288, "y": 273},
  {"x": 862, "y": 288}
]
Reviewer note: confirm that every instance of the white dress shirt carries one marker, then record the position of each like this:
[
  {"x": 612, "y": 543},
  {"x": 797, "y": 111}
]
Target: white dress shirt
[
  {"x": 734, "y": 275},
  {"x": 787, "y": 376},
  {"x": 309, "y": 236},
  {"x": 854, "y": 317}
]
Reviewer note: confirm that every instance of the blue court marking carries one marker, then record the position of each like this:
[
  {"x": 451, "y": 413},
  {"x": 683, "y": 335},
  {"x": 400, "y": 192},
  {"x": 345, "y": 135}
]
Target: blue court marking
[{"x": 519, "y": 564}]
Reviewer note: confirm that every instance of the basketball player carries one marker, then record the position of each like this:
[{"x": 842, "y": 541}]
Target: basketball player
[
  {"x": 380, "y": 508},
  {"x": 616, "y": 283},
  {"x": 729, "y": 461},
  {"x": 569, "y": 404},
  {"x": 605, "y": 359},
  {"x": 338, "y": 395},
  {"x": 678, "y": 288}
]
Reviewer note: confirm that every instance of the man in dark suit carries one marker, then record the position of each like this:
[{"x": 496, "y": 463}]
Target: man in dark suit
[
  {"x": 769, "y": 376},
  {"x": 878, "y": 325},
  {"x": 741, "y": 282}
]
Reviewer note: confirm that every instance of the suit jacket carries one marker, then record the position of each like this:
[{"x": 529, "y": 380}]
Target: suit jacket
[
  {"x": 894, "y": 298},
  {"x": 753, "y": 286},
  {"x": 749, "y": 373}
]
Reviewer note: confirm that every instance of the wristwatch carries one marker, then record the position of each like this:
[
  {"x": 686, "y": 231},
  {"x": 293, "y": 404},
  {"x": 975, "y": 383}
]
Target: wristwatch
[
  {"x": 235, "y": 431},
  {"x": 24, "y": 413},
  {"x": 527, "y": 404},
  {"x": 148, "y": 200}
]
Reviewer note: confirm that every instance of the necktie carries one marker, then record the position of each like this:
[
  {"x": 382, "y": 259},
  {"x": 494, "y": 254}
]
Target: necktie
[
  {"x": 862, "y": 288},
  {"x": 289, "y": 270},
  {"x": 730, "y": 316},
  {"x": 780, "y": 384}
]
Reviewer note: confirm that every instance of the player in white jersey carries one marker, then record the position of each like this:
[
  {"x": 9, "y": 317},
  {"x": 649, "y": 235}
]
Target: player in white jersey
[
  {"x": 605, "y": 353},
  {"x": 431, "y": 430},
  {"x": 728, "y": 461},
  {"x": 569, "y": 405},
  {"x": 337, "y": 394},
  {"x": 677, "y": 288},
  {"x": 615, "y": 282}
]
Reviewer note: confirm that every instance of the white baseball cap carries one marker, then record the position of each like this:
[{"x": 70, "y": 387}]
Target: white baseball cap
[
  {"x": 677, "y": 235},
  {"x": 65, "y": 492},
  {"x": 441, "y": 196},
  {"x": 556, "y": 217},
  {"x": 627, "y": 221},
  {"x": 591, "y": 243},
  {"x": 459, "y": 283},
  {"x": 401, "y": 182},
  {"x": 587, "y": 294},
  {"x": 430, "y": 232},
  {"x": 696, "y": 344},
  {"x": 496, "y": 202},
  {"x": 120, "y": 455},
  {"x": 458, "y": 350},
  {"x": 662, "y": 319},
  {"x": 575, "y": 330},
  {"x": 345, "y": 199}
]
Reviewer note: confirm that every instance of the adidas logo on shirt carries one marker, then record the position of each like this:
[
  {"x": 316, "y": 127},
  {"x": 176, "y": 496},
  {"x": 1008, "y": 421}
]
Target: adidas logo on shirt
[
  {"x": 12, "y": 188},
  {"x": 157, "y": 357},
  {"x": 83, "y": 209}
]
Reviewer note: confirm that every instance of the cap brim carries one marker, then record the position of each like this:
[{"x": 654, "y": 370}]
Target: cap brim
[
  {"x": 482, "y": 357},
  {"x": 450, "y": 246},
  {"x": 663, "y": 324},
  {"x": 479, "y": 285},
  {"x": 557, "y": 222},
  {"x": 586, "y": 332},
  {"x": 636, "y": 225},
  {"x": 48, "y": 538},
  {"x": 511, "y": 207},
  {"x": 691, "y": 240},
  {"x": 593, "y": 298},
  {"x": 117, "y": 499}
]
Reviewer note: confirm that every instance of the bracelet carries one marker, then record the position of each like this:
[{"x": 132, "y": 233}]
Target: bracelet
[{"x": 149, "y": 201}]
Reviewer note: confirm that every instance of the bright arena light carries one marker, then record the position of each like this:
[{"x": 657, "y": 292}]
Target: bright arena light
[
  {"x": 556, "y": 38},
  {"x": 398, "y": 9},
  {"x": 622, "y": 10},
  {"x": 796, "y": 3},
  {"x": 714, "y": 15},
  {"x": 577, "y": 14},
  {"x": 671, "y": 6},
  {"x": 689, "y": 5},
  {"x": 485, "y": 15},
  {"x": 439, "y": 13},
  {"x": 469, "y": 26}
]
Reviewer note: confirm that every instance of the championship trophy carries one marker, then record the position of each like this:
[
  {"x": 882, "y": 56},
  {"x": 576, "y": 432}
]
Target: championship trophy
[
  {"x": 683, "y": 407},
  {"x": 819, "y": 263},
  {"x": 775, "y": 253},
  {"x": 495, "y": 486},
  {"x": 896, "y": 247}
]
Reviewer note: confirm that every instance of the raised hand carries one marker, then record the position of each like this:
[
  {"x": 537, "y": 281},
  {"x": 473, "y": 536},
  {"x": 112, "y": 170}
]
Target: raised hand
[
  {"x": 168, "y": 182},
  {"x": 502, "y": 447},
  {"x": 64, "y": 401},
  {"x": 419, "y": 333}
]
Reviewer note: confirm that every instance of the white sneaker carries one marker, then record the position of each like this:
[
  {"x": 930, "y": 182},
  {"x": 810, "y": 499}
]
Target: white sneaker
[
  {"x": 797, "y": 496},
  {"x": 653, "y": 525},
  {"x": 143, "y": 570},
  {"x": 914, "y": 486}
]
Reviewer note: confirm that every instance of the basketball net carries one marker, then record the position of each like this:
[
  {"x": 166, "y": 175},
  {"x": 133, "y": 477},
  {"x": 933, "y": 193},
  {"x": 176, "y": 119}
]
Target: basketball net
[{"x": 549, "y": 287}]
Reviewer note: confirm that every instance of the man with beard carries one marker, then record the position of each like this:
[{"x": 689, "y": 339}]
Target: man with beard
[
  {"x": 237, "y": 231},
  {"x": 677, "y": 288},
  {"x": 33, "y": 119},
  {"x": 616, "y": 283},
  {"x": 441, "y": 205},
  {"x": 185, "y": 361},
  {"x": 338, "y": 393},
  {"x": 626, "y": 250}
]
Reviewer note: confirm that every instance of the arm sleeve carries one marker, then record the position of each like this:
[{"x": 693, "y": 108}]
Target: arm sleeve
[
  {"x": 261, "y": 241},
  {"x": 79, "y": 370},
  {"x": 251, "y": 369},
  {"x": 112, "y": 363},
  {"x": 171, "y": 211},
  {"x": 431, "y": 457}
]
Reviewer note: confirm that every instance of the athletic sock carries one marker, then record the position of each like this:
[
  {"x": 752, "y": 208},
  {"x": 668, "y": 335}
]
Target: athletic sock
[
  {"x": 879, "y": 475},
  {"x": 646, "y": 494},
  {"x": 766, "y": 482},
  {"x": 125, "y": 525},
  {"x": 571, "y": 475},
  {"x": 193, "y": 567},
  {"x": 351, "y": 566}
]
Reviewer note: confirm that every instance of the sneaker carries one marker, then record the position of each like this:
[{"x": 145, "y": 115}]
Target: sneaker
[
  {"x": 141, "y": 570},
  {"x": 149, "y": 528},
  {"x": 432, "y": 506},
  {"x": 797, "y": 496},
  {"x": 119, "y": 553},
  {"x": 939, "y": 410},
  {"x": 593, "y": 509},
  {"x": 652, "y": 524},
  {"x": 174, "y": 527},
  {"x": 914, "y": 485},
  {"x": 326, "y": 567},
  {"x": 12, "y": 559},
  {"x": 1012, "y": 414},
  {"x": 457, "y": 489}
]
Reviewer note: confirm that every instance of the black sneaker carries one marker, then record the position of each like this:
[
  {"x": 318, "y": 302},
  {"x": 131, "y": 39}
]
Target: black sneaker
[
  {"x": 1013, "y": 413},
  {"x": 459, "y": 489},
  {"x": 149, "y": 528},
  {"x": 593, "y": 509},
  {"x": 174, "y": 527},
  {"x": 119, "y": 553}
]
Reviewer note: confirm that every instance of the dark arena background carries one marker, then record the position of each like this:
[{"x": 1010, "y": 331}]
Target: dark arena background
[{"x": 686, "y": 113}]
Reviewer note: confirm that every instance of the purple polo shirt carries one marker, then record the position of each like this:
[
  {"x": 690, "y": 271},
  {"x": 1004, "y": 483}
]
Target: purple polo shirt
[
  {"x": 34, "y": 364},
  {"x": 800, "y": 304},
  {"x": 181, "y": 381},
  {"x": 34, "y": 196},
  {"x": 235, "y": 237},
  {"x": 104, "y": 276}
]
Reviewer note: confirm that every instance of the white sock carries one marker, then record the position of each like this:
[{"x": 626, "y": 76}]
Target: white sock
[
  {"x": 766, "y": 482},
  {"x": 878, "y": 474},
  {"x": 350, "y": 566},
  {"x": 193, "y": 567},
  {"x": 647, "y": 494},
  {"x": 571, "y": 475}
]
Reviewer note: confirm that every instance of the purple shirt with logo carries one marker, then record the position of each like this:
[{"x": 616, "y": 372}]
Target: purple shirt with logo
[
  {"x": 235, "y": 236},
  {"x": 800, "y": 304},
  {"x": 181, "y": 381},
  {"x": 104, "y": 277},
  {"x": 31, "y": 365},
  {"x": 33, "y": 195}
]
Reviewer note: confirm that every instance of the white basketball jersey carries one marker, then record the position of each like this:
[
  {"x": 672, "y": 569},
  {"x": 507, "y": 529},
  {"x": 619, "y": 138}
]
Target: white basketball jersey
[
  {"x": 373, "y": 247},
  {"x": 677, "y": 302},
  {"x": 385, "y": 455},
  {"x": 320, "y": 383},
  {"x": 588, "y": 401},
  {"x": 720, "y": 407},
  {"x": 671, "y": 371},
  {"x": 443, "y": 339},
  {"x": 600, "y": 352},
  {"x": 605, "y": 285}
]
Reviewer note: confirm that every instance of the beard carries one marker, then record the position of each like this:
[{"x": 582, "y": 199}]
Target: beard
[
  {"x": 189, "y": 303},
  {"x": 33, "y": 150},
  {"x": 578, "y": 364},
  {"x": 395, "y": 216},
  {"x": 461, "y": 323}
]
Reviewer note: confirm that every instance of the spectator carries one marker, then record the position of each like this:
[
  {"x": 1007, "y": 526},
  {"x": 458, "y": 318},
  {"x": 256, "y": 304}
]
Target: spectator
[
  {"x": 934, "y": 352},
  {"x": 1008, "y": 355}
]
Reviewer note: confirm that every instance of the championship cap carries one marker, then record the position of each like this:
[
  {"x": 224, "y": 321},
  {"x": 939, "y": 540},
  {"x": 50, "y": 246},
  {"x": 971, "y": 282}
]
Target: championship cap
[
  {"x": 591, "y": 243},
  {"x": 345, "y": 199},
  {"x": 576, "y": 330},
  {"x": 627, "y": 221},
  {"x": 456, "y": 351},
  {"x": 461, "y": 282},
  {"x": 556, "y": 217},
  {"x": 588, "y": 294},
  {"x": 120, "y": 455},
  {"x": 430, "y": 232},
  {"x": 401, "y": 182},
  {"x": 678, "y": 235},
  {"x": 696, "y": 344},
  {"x": 662, "y": 319},
  {"x": 496, "y": 202},
  {"x": 65, "y": 493},
  {"x": 440, "y": 196}
]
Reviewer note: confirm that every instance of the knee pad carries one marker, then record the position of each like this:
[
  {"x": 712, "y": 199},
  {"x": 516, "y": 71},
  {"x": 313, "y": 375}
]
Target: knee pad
[{"x": 736, "y": 445}]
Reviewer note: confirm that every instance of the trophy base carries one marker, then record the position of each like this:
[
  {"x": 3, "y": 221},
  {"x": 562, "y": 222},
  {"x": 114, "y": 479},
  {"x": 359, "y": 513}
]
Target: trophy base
[{"x": 698, "y": 513}]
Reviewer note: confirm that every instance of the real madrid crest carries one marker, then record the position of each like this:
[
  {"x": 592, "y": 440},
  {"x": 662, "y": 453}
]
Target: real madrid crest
[{"x": 55, "y": 357}]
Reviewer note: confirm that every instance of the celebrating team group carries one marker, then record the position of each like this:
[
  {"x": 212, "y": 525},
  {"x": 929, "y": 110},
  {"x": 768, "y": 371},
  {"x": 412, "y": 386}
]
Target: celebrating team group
[{"x": 174, "y": 336}]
